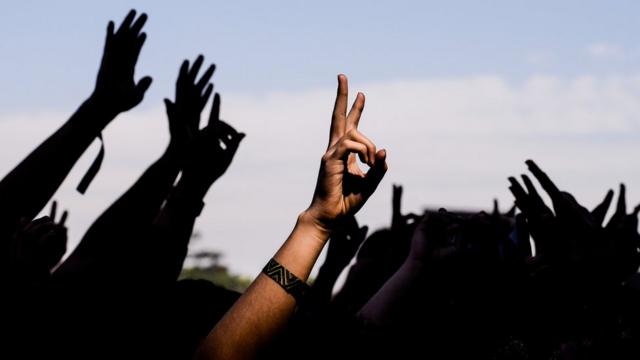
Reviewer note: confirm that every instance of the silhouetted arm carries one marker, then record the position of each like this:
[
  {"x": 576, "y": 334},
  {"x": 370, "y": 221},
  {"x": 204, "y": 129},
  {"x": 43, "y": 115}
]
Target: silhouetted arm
[
  {"x": 343, "y": 245},
  {"x": 206, "y": 160},
  {"x": 30, "y": 185},
  {"x": 123, "y": 227},
  {"x": 264, "y": 309}
]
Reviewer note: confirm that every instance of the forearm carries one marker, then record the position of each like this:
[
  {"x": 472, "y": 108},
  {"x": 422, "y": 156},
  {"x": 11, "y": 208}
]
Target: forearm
[
  {"x": 325, "y": 281},
  {"x": 173, "y": 227},
  {"x": 30, "y": 185},
  {"x": 140, "y": 204},
  {"x": 389, "y": 302},
  {"x": 127, "y": 221},
  {"x": 264, "y": 309}
]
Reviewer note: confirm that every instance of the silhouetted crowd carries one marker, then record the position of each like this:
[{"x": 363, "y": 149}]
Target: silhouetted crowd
[{"x": 540, "y": 281}]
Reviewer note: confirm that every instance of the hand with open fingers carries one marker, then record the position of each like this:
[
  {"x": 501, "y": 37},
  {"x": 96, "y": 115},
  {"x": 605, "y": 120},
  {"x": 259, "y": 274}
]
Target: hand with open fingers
[
  {"x": 116, "y": 90},
  {"x": 39, "y": 245},
  {"x": 212, "y": 149},
  {"x": 192, "y": 94},
  {"x": 570, "y": 234},
  {"x": 342, "y": 188}
]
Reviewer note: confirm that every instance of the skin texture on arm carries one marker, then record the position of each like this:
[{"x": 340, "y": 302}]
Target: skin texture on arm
[
  {"x": 122, "y": 231},
  {"x": 30, "y": 185},
  {"x": 341, "y": 190}
]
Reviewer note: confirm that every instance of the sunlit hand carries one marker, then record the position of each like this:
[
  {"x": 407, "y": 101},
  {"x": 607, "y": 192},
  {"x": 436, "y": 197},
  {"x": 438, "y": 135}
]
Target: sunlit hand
[
  {"x": 192, "y": 95},
  {"x": 342, "y": 188},
  {"x": 116, "y": 90}
]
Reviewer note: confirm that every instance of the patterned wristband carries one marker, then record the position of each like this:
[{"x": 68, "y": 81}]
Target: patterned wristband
[{"x": 289, "y": 282}]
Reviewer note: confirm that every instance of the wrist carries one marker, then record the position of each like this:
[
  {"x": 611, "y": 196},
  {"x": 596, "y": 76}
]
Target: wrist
[
  {"x": 92, "y": 116},
  {"x": 194, "y": 184},
  {"x": 101, "y": 104},
  {"x": 316, "y": 227}
]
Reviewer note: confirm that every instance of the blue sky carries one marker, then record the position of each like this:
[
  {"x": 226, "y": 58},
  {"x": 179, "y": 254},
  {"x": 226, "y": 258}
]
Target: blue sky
[
  {"x": 459, "y": 92},
  {"x": 50, "y": 50}
]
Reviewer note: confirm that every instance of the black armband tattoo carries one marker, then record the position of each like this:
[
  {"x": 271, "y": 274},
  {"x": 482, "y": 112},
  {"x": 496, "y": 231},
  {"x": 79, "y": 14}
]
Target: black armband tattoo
[{"x": 289, "y": 282}]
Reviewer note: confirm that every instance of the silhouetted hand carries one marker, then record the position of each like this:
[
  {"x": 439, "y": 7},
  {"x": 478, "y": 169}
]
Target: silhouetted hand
[
  {"x": 398, "y": 219},
  {"x": 116, "y": 90},
  {"x": 622, "y": 236},
  {"x": 345, "y": 242},
  {"x": 40, "y": 244},
  {"x": 342, "y": 188},
  {"x": 211, "y": 151},
  {"x": 573, "y": 235},
  {"x": 432, "y": 237},
  {"x": 192, "y": 95}
]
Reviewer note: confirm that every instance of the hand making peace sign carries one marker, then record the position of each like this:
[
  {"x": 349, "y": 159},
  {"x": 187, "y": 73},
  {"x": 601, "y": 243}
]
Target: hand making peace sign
[{"x": 342, "y": 188}]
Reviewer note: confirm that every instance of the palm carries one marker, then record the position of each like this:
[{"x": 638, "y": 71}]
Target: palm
[{"x": 115, "y": 85}]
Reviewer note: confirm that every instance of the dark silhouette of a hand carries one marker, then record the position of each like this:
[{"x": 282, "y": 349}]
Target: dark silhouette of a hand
[
  {"x": 566, "y": 236},
  {"x": 621, "y": 236},
  {"x": 345, "y": 242},
  {"x": 571, "y": 235},
  {"x": 398, "y": 219},
  {"x": 40, "y": 244},
  {"x": 116, "y": 90},
  {"x": 432, "y": 237},
  {"x": 192, "y": 95},
  {"x": 212, "y": 149}
]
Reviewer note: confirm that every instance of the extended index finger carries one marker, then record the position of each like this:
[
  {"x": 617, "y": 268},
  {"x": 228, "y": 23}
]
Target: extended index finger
[
  {"x": 339, "y": 118},
  {"x": 54, "y": 209},
  {"x": 544, "y": 180}
]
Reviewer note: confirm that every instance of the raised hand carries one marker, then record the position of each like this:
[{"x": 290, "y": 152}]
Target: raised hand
[
  {"x": 345, "y": 242},
  {"x": 621, "y": 234},
  {"x": 398, "y": 219},
  {"x": 573, "y": 235},
  {"x": 211, "y": 151},
  {"x": 40, "y": 244},
  {"x": 192, "y": 95},
  {"x": 116, "y": 90},
  {"x": 431, "y": 238},
  {"x": 342, "y": 188}
]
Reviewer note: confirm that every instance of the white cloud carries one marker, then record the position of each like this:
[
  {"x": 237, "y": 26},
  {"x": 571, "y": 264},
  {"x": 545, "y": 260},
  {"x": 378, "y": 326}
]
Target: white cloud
[
  {"x": 601, "y": 50},
  {"x": 451, "y": 142}
]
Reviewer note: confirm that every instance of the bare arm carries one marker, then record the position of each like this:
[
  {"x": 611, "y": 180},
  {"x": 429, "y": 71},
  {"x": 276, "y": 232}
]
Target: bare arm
[
  {"x": 30, "y": 185},
  {"x": 341, "y": 190}
]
